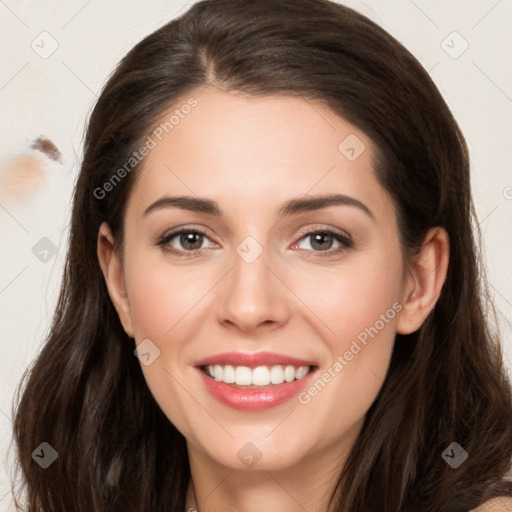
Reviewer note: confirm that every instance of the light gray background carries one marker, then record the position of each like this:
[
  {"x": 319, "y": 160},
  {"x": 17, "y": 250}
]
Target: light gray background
[{"x": 52, "y": 97}]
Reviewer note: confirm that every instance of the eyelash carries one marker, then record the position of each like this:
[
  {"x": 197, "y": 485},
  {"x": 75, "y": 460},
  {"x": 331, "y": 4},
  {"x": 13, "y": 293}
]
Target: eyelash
[{"x": 345, "y": 242}]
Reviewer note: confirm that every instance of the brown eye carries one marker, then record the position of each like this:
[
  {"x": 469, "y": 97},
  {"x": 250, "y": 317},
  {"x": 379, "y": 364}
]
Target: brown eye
[
  {"x": 191, "y": 240},
  {"x": 184, "y": 242},
  {"x": 323, "y": 242}
]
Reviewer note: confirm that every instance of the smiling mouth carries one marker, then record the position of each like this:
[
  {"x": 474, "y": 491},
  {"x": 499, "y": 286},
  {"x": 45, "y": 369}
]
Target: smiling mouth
[{"x": 259, "y": 377}]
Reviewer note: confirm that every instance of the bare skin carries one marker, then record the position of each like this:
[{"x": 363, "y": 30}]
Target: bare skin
[{"x": 299, "y": 298}]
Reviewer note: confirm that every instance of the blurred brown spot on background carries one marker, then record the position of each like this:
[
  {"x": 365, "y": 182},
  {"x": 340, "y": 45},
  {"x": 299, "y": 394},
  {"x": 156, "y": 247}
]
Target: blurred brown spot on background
[
  {"x": 22, "y": 175},
  {"x": 47, "y": 147}
]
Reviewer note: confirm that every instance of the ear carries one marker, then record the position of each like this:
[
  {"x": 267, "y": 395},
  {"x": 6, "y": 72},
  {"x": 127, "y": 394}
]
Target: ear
[
  {"x": 426, "y": 275},
  {"x": 112, "y": 269}
]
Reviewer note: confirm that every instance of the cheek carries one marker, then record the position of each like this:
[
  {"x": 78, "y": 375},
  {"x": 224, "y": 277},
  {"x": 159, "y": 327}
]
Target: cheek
[
  {"x": 162, "y": 296},
  {"x": 355, "y": 312},
  {"x": 350, "y": 299},
  {"x": 361, "y": 313},
  {"x": 163, "y": 303}
]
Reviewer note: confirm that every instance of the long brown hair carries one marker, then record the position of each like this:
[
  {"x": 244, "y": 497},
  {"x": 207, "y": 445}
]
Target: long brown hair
[{"x": 85, "y": 394}]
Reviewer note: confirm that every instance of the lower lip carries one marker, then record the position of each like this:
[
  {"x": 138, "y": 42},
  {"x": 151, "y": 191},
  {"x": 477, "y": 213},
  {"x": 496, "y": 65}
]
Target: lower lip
[{"x": 256, "y": 399}]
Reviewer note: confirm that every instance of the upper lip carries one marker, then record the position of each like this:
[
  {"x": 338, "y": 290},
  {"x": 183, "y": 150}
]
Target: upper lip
[{"x": 252, "y": 360}]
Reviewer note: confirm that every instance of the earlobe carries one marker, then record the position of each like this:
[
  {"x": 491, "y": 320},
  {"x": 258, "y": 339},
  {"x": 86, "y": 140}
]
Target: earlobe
[
  {"x": 112, "y": 270},
  {"x": 425, "y": 279}
]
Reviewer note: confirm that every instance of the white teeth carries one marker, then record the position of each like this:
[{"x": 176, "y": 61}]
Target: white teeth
[
  {"x": 243, "y": 376},
  {"x": 217, "y": 372},
  {"x": 228, "y": 374},
  {"x": 301, "y": 372},
  {"x": 277, "y": 375},
  {"x": 289, "y": 374},
  {"x": 259, "y": 376}
]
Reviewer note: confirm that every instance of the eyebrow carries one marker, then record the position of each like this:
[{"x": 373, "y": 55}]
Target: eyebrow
[{"x": 291, "y": 207}]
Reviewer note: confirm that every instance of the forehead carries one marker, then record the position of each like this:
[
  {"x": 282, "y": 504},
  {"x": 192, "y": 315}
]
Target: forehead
[{"x": 257, "y": 151}]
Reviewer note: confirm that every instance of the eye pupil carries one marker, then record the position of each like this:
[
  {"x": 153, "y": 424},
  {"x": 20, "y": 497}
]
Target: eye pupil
[
  {"x": 317, "y": 239},
  {"x": 188, "y": 238}
]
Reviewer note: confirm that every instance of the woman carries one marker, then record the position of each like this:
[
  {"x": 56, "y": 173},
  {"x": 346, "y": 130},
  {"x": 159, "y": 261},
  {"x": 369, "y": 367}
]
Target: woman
[{"x": 273, "y": 214}]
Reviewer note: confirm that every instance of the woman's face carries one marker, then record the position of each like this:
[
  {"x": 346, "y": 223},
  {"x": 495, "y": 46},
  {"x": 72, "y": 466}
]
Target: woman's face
[{"x": 257, "y": 279}]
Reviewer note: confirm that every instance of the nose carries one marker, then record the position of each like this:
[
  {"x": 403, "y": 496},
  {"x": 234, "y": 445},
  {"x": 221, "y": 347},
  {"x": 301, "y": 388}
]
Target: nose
[{"x": 253, "y": 295}]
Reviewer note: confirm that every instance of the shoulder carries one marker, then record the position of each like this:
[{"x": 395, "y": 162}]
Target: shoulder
[{"x": 502, "y": 504}]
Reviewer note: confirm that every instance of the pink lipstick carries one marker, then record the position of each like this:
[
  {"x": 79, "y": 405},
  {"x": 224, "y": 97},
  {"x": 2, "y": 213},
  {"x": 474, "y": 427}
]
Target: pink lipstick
[{"x": 257, "y": 381}]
